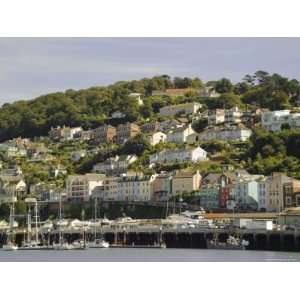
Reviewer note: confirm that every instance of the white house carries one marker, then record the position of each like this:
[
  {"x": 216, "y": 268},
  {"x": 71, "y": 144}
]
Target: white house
[
  {"x": 156, "y": 137},
  {"x": 117, "y": 115},
  {"x": 179, "y": 155},
  {"x": 179, "y": 135},
  {"x": 233, "y": 115},
  {"x": 187, "y": 108},
  {"x": 235, "y": 133},
  {"x": 216, "y": 116},
  {"x": 83, "y": 187},
  {"x": 115, "y": 165},
  {"x": 273, "y": 120}
]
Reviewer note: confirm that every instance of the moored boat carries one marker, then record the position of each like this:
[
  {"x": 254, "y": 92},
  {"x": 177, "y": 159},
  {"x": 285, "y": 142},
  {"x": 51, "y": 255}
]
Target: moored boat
[{"x": 231, "y": 243}]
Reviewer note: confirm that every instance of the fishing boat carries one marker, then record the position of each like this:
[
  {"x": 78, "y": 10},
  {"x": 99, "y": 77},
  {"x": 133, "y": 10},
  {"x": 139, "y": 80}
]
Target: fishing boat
[{"x": 231, "y": 243}]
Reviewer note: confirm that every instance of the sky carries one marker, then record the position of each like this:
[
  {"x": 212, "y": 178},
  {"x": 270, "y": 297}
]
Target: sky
[{"x": 30, "y": 67}]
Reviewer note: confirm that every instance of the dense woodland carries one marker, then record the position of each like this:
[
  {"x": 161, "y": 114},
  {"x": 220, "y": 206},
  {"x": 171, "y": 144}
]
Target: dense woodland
[{"x": 89, "y": 108}]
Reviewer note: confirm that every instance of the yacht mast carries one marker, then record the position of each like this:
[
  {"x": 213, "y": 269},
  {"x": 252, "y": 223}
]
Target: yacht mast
[
  {"x": 95, "y": 219},
  {"x": 29, "y": 225},
  {"x": 59, "y": 227},
  {"x": 36, "y": 223}
]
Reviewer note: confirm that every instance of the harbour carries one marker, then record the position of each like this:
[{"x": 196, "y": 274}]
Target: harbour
[{"x": 149, "y": 255}]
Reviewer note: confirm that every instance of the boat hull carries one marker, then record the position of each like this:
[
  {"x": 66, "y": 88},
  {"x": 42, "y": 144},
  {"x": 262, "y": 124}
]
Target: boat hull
[{"x": 224, "y": 246}]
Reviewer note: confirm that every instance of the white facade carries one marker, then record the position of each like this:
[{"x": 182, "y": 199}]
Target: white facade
[
  {"x": 110, "y": 191},
  {"x": 273, "y": 120},
  {"x": 83, "y": 187},
  {"x": 227, "y": 134},
  {"x": 172, "y": 110},
  {"x": 179, "y": 135},
  {"x": 135, "y": 188},
  {"x": 216, "y": 116},
  {"x": 117, "y": 115},
  {"x": 156, "y": 137},
  {"x": 68, "y": 133},
  {"x": 233, "y": 115},
  {"x": 115, "y": 164},
  {"x": 246, "y": 191},
  {"x": 262, "y": 193},
  {"x": 179, "y": 155}
]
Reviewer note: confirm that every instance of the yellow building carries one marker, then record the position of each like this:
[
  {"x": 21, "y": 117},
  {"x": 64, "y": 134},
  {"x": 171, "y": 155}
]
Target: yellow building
[{"x": 185, "y": 182}]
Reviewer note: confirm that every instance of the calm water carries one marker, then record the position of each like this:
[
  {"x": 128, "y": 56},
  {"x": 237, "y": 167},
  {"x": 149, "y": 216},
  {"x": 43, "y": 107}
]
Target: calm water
[{"x": 147, "y": 255}]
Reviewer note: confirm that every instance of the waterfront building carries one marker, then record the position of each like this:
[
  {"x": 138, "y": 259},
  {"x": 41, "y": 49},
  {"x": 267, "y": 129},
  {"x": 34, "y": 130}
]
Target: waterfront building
[
  {"x": 135, "y": 187},
  {"x": 162, "y": 187},
  {"x": 209, "y": 197},
  {"x": 263, "y": 193},
  {"x": 110, "y": 184},
  {"x": 291, "y": 194},
  {"x": 246, "y": 191},
  {"x": 81, "y": 188},
  {"x": 275, "y": 184},
  {"x": 185, "y": 181}
]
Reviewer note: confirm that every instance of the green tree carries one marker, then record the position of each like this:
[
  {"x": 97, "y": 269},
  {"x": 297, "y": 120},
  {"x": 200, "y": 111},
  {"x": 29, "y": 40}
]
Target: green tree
[{"x": 224, "y": 85}]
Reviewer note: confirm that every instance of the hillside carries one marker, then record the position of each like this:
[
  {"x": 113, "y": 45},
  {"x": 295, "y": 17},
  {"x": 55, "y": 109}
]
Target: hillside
[{"x": 92, "y": 107}]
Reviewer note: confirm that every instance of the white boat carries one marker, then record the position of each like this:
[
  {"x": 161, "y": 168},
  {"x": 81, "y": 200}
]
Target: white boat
[
  {"x": 62, "y": 246},
  {"x": 79, "y": 245},
  {"x": 9, "y": 247},
  {"x": 33, "y": 245},
  {"x": 231, "y": 243},
  {"x": 98, "y": 243}
]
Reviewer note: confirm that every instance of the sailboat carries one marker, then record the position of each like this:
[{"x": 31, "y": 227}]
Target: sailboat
[
  {"x": 10, "y": 245},
  {"x": 61, "y": 245},
  {"x": 97, "y": 242},
  {"x": 33, "y": 244}
]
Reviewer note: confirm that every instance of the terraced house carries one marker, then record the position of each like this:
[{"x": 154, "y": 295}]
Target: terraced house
[{"x": 135, "y": 187}]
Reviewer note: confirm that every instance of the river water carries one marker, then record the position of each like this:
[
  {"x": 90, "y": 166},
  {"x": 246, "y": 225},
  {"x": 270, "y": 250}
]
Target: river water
[{"x": 148, "y": 255}]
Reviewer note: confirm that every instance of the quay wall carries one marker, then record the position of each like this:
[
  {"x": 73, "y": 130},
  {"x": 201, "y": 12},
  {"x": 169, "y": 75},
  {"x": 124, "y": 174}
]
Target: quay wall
[{"x": 193, "y": 238}]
